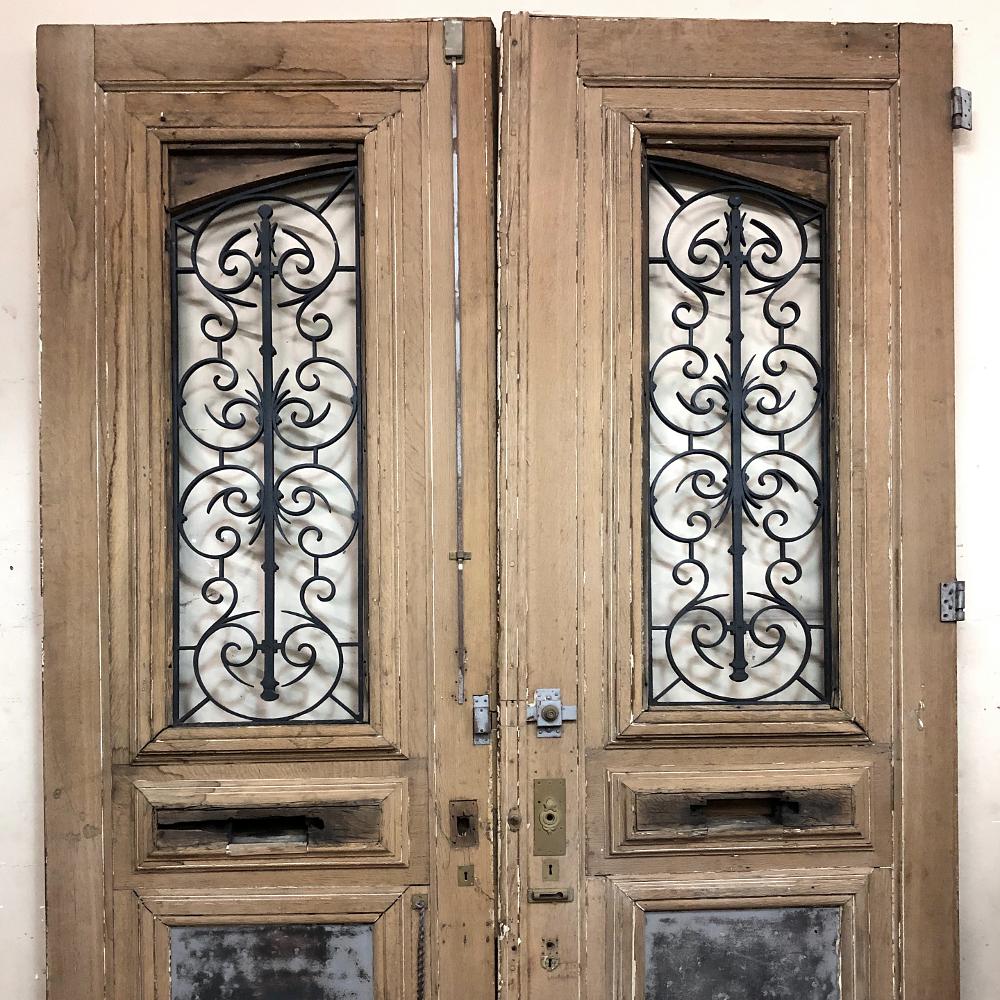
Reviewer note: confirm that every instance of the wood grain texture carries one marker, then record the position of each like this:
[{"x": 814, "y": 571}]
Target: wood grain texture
[
  {"x": 539, "y": 575},
  {"x": 176, "y": 88},
  {"x": 696, "y": 83},
  {"x": 642, "y": 49},
  {"x": 928, "y": 657},
  {"x": 327, "y": 53},
  {"x": 463, "y": 935},
  {"x": 72, "y": 701}
]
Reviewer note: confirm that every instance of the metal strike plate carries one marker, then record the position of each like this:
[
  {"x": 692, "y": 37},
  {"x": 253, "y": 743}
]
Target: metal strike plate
[
  {"x": 481, "y": 724},
  {"x": 550, "y": 954},
  {"x": 961, "y": 108},
  {"x": 463, "y": 815},
  {"x": 550, "y": 817},
  {"x": 548, "y": 713},
  {"x": 952, "y": 597}
]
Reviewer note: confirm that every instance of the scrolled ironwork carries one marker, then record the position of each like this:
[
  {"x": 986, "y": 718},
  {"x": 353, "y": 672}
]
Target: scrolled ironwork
[
  {"x": 737, "y": 401},
  {"x": 268, "y": 454}
]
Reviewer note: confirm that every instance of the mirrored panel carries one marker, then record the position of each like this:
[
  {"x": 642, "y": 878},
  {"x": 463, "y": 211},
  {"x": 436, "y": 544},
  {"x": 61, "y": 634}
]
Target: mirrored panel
[
  {"x": 268, "y": 450},
  {"x": 272, "y": 962},
  {"x": 738, "y": 553},
  {"x": 787, "y": 953}
]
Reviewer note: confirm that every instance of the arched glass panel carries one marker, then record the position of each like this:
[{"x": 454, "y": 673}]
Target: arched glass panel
[
  {"x": 739, "y": 533},
  {"x": 267, "y": 450}
]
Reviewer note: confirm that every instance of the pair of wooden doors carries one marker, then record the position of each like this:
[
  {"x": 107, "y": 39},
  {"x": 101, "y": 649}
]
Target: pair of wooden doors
[{"x": 381, "y": 663}]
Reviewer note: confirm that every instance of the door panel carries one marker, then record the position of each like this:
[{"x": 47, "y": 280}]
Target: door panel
[
  {"x": 256, "y": 726},
  {"x": 732, "y": 638}
]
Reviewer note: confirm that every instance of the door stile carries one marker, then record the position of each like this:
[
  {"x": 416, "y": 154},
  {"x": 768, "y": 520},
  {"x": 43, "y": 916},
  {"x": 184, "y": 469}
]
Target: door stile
[
  {"x": 74, "y": 744},
  {"x": 538, "y": 472},
  {"x": 463, "y": 911},
  {"x": 927, "y": 782}
]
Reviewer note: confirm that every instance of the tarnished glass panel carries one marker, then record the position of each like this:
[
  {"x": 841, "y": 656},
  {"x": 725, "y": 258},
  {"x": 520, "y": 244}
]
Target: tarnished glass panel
[
  {"x": 272, "y": 962},
  {"x": 739, "y": 535},
  {"x": 268, "y": 526},
  {"x": 790, "y": 953}
]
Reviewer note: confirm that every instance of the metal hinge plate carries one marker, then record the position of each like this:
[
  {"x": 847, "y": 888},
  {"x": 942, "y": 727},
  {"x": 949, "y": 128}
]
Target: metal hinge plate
[
  {"x": 961, "y": 108},
  {"x": 454, "y": 40},
  {"x": 482, "y": 722},
  {"x": 952, "y": 597}
]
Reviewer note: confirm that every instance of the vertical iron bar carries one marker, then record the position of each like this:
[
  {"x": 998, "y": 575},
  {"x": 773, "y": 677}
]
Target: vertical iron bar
[
  {"x": 825, "y": 387},
  {"x": 359, "y": 328},
  {"x": 265, "y": 269},
  {"x": 175, "y": 459},
  {"x": 460, "y": 554},
  {"x": 735, "y": 259}
]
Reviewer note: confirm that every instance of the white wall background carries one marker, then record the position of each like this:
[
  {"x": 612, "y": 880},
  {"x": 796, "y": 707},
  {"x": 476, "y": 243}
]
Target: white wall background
[{"x": 977, "y": 160}]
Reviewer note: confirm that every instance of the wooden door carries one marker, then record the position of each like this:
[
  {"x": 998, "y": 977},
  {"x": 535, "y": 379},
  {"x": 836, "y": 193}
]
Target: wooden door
[
  {"x": 259, "y": 775},
  {"x": 725, "y": 510}
]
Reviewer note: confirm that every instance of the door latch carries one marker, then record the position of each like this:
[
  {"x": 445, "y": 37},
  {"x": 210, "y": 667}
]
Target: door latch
[{"x": 548, "y": 713}]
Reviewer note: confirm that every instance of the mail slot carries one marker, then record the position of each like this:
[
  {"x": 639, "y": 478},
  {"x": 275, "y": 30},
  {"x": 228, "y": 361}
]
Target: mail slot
[
  {"x": 698, "y": 813},
  {"x": 288, "y": 828}
]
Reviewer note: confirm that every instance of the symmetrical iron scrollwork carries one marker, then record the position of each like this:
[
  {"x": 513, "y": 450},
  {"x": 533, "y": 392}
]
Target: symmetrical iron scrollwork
[
  {"x": 267, "y": 453},
  {"x": 739, "y": 537}
]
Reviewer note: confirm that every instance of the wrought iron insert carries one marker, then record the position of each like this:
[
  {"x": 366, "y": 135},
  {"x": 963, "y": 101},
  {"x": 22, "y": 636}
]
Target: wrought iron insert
[
  {"x": 738, "y": 547},
  {"x": 268, "y": 453}
]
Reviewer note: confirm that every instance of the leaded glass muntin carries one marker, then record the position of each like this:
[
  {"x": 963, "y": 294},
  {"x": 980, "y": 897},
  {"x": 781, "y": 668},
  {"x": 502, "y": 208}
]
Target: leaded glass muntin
[
  {"x": 739, "y": 199},
  {"x": 272, "y": 240}
]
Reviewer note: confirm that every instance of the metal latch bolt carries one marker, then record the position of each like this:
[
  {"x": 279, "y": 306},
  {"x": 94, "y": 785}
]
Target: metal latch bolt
[{"x": 548, "y": 713}]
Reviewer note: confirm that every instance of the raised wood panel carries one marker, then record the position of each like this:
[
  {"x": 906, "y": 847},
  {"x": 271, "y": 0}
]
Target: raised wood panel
[
  {"x": 143, "y": 921},
  {"x": 366, "y": 822},
  {"x": 863, "y": 895},
  {"x": 329, "y": 54},
  {"x": 799, "y": 808},
  {"x": 644, "y": 49}
]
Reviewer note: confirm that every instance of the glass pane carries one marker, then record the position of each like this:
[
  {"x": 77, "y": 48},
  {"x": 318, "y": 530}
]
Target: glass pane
[
  {"x": 738, "y": 554},
  {"x": 791, "y": 953},
  {"x": 267, "y": 453},
  {"x": 272, "y": 962}
]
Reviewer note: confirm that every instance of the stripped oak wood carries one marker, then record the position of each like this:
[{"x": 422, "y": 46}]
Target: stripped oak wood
[
  {"x": 162, "y": 91},
  {"x": 572, "y": 314},
  {"x": 72, "y": 695}
]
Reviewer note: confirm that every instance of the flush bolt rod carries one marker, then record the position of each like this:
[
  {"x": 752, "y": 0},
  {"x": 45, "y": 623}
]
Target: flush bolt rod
[{"x": 454, "y": 53}]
